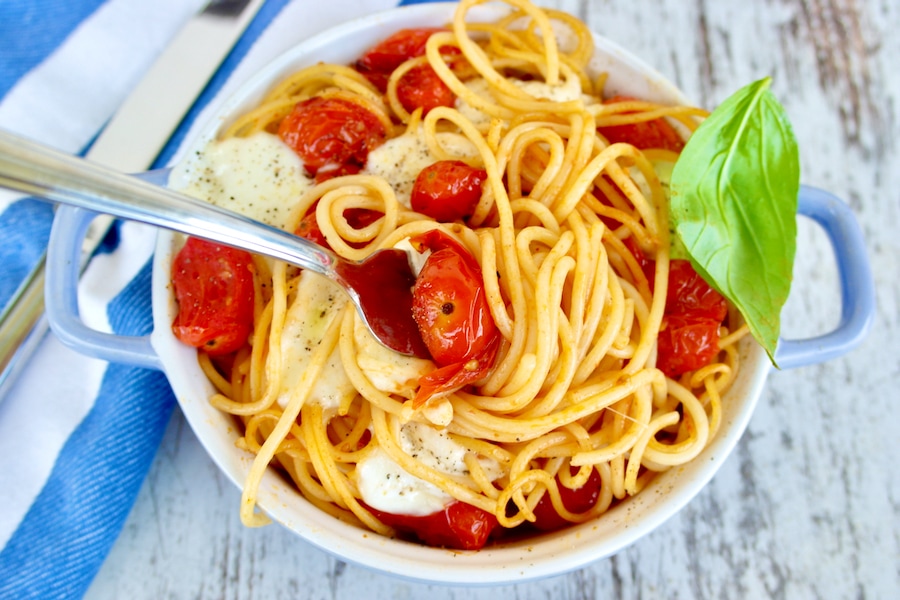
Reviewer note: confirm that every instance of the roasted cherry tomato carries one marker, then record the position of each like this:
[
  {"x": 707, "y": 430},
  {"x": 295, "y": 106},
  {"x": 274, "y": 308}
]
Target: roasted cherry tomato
[
  {"x": 213, "y": 285},
  {"x": 451, "y": 310},
  {"x": 449, "y": 303},
  {"x": 308, "y": 228},
  {"x": 688, "y": 293},
  {"x": 644, "y": 135},
  {"x": 575, "y": 501},
  {"x": 689, "y": 334},
  {"x": 421, "y": 87},
  {"x": 686, "y": 343},
  {"x": 459, "y": 526},
  {"x": 357, "y": 218},
  {"x": 448, "y": 190},
  {"x": 379, "y": 62},
  {"x": 331, "y": 135},
  {"x": 456, "y": 375},
  {"x": 647, "y": 265}
]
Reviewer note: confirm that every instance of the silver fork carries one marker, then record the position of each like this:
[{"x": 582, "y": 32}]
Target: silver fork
[{"x": 380, "y": 286}]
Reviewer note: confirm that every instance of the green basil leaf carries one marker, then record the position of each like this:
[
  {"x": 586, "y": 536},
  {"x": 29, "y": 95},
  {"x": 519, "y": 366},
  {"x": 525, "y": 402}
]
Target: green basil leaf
[{"x": 733, "y": 206}]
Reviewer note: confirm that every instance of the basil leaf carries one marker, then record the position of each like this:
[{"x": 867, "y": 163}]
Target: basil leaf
[{"x": 733, "y": 206}]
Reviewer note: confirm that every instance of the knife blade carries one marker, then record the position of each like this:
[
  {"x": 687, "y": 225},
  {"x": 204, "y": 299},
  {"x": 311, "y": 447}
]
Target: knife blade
[{"x": 130, "y": 142}]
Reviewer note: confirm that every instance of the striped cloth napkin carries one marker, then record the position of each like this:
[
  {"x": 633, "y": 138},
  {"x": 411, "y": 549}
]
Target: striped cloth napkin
[{"x": 78, "y": 435}]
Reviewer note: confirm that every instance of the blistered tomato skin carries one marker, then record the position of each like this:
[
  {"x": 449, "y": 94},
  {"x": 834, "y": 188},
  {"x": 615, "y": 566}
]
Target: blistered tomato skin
[
  {"x": 576, "y": 501},
  {"x": 308, "y": 227},
  {"x": 380, "y": 61},
  {"x": 448, "y": 190},
  {"x": 213, "y": 286},
  {"x": 421, "y": 87},
  {"x": 686, "y": 343},
  {"x": 332, "y": 136},
  {"x": 689, "y": 334},
  {"x": 459, "y": 526},
  {"x": 688, "y": 293},
  {"x": 450, "y": 306},
  {"x": 644, "y": 135}
]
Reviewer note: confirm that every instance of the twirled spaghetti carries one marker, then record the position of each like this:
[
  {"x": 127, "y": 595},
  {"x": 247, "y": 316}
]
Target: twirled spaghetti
[{"x": 571, "y": 235}]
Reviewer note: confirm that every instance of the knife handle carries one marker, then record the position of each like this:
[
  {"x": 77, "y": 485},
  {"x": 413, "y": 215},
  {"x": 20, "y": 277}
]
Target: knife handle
[{"x": 19, "y": 325}]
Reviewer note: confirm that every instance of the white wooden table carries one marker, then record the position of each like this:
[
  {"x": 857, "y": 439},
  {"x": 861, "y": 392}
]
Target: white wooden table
[{"x": 808, "y": 506}]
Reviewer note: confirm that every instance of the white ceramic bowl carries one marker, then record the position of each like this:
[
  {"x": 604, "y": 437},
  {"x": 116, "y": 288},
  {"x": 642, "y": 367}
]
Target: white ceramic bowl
[{"x": 515, "y": 561}]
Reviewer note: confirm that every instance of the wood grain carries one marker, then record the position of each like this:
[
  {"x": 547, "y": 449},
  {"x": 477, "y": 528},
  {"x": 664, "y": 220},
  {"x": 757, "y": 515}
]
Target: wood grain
[{"x": 808, "y": 506}]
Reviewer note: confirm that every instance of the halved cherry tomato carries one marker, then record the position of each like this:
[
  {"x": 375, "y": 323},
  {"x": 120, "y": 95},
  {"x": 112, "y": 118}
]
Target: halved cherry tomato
[
  {"x": 451, "y": 310},
  {"x": 448, "y": 190},
  {"x": 689, "y": 334},
  {"x": 686, "y": 343},
  {"x": 644, "y": 135},
  {"x": 456, "y": 375},
  {"x": 576, "y": 501},
  {"x": 331, "y": 135},
  {"x": 213, "y": 286},
  {"x": 459, "y": 526},
  {"x": 688, "y": 293},
  {"x": 379, "y": 62},
  {"x": 421, "y": 87}
]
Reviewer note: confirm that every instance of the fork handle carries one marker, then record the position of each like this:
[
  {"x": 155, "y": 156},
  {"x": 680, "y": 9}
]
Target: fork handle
[{"x": 42, "y": 171}]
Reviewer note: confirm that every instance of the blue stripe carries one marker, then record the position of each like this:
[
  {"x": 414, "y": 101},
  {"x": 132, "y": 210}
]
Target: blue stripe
[
  {"x": 21, "y": 53},
  {"x": 26, "y": 228},
  {"x": 68, "y": 531}
]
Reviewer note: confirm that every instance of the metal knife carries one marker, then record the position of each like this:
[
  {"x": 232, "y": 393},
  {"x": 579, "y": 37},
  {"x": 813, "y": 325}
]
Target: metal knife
[{"x": 130, "y": 142}]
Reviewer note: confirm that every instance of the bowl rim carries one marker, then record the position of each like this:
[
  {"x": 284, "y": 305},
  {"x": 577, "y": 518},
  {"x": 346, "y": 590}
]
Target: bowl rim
[{"x": 517, "y": 561}]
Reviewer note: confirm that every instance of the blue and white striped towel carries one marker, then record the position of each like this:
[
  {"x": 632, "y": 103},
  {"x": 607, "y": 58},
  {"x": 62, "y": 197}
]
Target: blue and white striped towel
[{"x": 77, "y": 436}]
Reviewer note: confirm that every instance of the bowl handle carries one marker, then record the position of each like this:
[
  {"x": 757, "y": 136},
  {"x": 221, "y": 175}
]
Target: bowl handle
[
  {"x": 857, "y": 285},
  {"x": 70, "y": 225}
]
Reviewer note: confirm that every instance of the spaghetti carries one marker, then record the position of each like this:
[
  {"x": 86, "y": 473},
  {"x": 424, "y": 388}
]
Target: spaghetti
[{"x": 571, "y": 236}]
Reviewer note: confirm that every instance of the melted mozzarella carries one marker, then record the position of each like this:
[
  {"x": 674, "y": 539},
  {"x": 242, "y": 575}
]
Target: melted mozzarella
[
  {"x": 438, "y": 410},
  {"x": 389, "y": 371},
  {"x": 400, "y": 160},
  {"x": 565, "y": 91},
  {"x": 258, "y": 176},
  {"x": 318, "y": 302},
  {"x": 479, "y": 87},
  {"x": 562, "y": 92},
  {"x": 416, "y": 259},
  {"x": 386, "y": 486}
]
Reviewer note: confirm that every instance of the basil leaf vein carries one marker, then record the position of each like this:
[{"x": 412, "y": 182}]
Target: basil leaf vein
[{"x": 733, "y": 206}]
